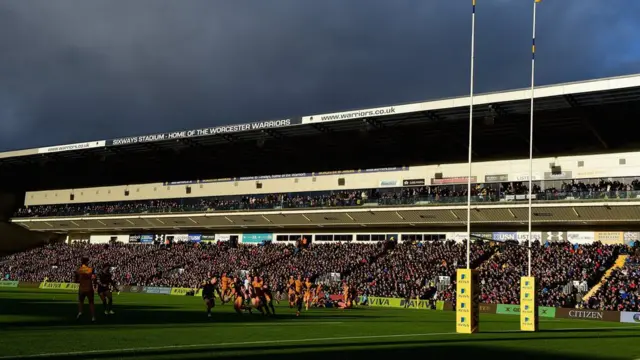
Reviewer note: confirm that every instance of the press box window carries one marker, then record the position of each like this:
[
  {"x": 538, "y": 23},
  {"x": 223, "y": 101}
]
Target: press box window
[
  {"x": 435, "y": 237},
  {"x": 412, "y": 237},
  {"x": 363, "y": 237},
  {"x": 343, "y": 237}
]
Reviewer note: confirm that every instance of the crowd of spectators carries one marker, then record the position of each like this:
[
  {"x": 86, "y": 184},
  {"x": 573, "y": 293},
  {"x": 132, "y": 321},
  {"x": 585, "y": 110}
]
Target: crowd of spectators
[
  {"x": 177, "y": 265},
  {"x": 620, "y": 291},
  {"x": 411, "y": 270},
  {"x": 424, "y": 270},
  {"x": 185, "y": 264},
  {"x": 555, "y": 265},
  {"x": 409, "y": 195},
  {"x": 603, "y": 189},
  {"x": 321, "y": 260}
]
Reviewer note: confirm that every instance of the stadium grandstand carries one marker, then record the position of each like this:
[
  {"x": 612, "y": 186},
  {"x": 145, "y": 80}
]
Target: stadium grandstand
[
  {"x": 371, "y": 199},
  {"x": 396, "y": 178}
]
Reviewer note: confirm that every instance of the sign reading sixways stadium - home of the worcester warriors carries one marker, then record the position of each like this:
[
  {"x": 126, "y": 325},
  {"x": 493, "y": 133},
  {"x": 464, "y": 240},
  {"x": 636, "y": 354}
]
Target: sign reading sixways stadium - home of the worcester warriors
[
  {"x": 528, "y": 304},
  {"x": 467, "y": 302}
]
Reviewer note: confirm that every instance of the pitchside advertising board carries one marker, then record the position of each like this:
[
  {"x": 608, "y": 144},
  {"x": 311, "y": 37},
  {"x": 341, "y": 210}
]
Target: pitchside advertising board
[
  {"x": 468, "y": 302},
  {"x": 156, "y": 290},
  {"x": 184, "y": 291},
  {"x": 8, "y": 284},
  {"x": 59, "y": 286},
  {"x": 507, "y": 309},
  {"x": 630, "y": 317},
  {"x": 587, "y": 314},
  {"x": 404, "y": 303}
]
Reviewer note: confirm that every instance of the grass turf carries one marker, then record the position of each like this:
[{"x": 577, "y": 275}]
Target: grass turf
[{"x": 42, "y": 323}]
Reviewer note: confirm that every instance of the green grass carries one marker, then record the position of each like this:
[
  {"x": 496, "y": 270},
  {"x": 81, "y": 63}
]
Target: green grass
[{"x": 39, "y": 322}]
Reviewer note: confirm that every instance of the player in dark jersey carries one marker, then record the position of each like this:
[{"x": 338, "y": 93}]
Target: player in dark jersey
[
  {"x": 106, "y": 285},
  {"x": 208, "y": 294},
  {"x": 280, "y": 292},
  {"x": 85, "y": 278},
  {"x": 268, "y": 296}
]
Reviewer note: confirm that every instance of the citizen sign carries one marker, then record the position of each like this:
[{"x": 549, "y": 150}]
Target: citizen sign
[{"x": 585, "y": 314}]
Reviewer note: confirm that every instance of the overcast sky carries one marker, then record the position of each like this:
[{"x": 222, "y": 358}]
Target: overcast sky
[{"x": 79, "y": 70}]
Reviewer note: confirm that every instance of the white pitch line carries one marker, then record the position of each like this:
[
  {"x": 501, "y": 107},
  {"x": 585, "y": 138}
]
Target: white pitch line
[
  {"x": 282, "y": 341},
  {"x": 292, "y": 323},
  {"x": 242, "y": 343}
]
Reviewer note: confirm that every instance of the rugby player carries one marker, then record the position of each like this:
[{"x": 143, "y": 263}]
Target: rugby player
[
  {"x": 224, "y": 289},
  {"x": 208, "y": 295},
  {"x": 308, "y": 285},
  {"x": 269, "y": 298},
  {"x": 85, "y": 277},
  {"x": 106, "y": 285},
  {"x": 298, "y": 296},
  {"x": 316, "y": 295},
  {"x": 292, "y": 292},
  {"x": 259, "y": 300}
]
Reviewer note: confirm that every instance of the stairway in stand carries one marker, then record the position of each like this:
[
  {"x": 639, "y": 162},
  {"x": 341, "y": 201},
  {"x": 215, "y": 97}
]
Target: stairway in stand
[{"x": 619, "y": 263}]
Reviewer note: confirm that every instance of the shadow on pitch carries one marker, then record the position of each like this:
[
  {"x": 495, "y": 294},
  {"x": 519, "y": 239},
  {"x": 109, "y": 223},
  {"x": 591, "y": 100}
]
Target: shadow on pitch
[
  {"x": 460, "y": 348},
  {"x": 63, "y": 313}
]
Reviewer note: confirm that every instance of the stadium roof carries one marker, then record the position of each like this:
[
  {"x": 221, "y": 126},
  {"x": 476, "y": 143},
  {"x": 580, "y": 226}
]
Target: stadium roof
[
  {"x": 584, "y": 117},
  {"x": 566, "y": 96}
]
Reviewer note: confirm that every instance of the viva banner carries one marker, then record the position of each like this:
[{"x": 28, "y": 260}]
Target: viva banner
[
  {"x": 184, "y": 291},
  {"x": 59, "y": 286},
  {"x": 528, "y": 304},
  {"x": 400, "y": 303},
  {"x": 467, "y": 303}
]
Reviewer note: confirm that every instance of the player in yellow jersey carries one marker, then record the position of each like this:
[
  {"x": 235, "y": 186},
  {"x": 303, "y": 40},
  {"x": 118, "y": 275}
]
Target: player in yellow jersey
[
  {"x": 225, "y": 289},
  {"x": 85, "y": 277},
  {"x": 308, "y": 285},
  {"x": 316, "y": 295},
  {"x": 292, "y": 292},
  {"x": 345, "y": 292},
  {"x": 230, "y": 282},
  {"x": 258, "y": 292}
]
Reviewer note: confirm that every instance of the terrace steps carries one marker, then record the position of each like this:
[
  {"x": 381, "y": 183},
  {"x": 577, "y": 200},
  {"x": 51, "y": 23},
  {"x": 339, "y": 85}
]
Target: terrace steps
[{"x": 619, "y": 263}]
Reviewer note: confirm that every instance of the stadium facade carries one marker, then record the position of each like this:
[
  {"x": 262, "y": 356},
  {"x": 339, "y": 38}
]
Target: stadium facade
[{"x": 387, "y": 148}]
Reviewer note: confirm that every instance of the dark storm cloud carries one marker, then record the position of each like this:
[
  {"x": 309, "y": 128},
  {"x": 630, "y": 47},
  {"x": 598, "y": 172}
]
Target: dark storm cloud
[{"x": 73, "y": 71}]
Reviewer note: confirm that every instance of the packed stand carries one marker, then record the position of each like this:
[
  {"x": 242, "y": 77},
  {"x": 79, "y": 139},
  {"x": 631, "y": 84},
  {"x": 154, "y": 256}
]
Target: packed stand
[
  {"x": 621, "y": 290},
  {"x": 198, "y": 262},
  {"x": 410, "y": 270},
  {"x": 407, "y": 270},
  {"x": 57, "y": 262},
  {"x": 319, "y": 260},
  {"x": 184, "y": 264},
  {"x": 555, "y": 265}
]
